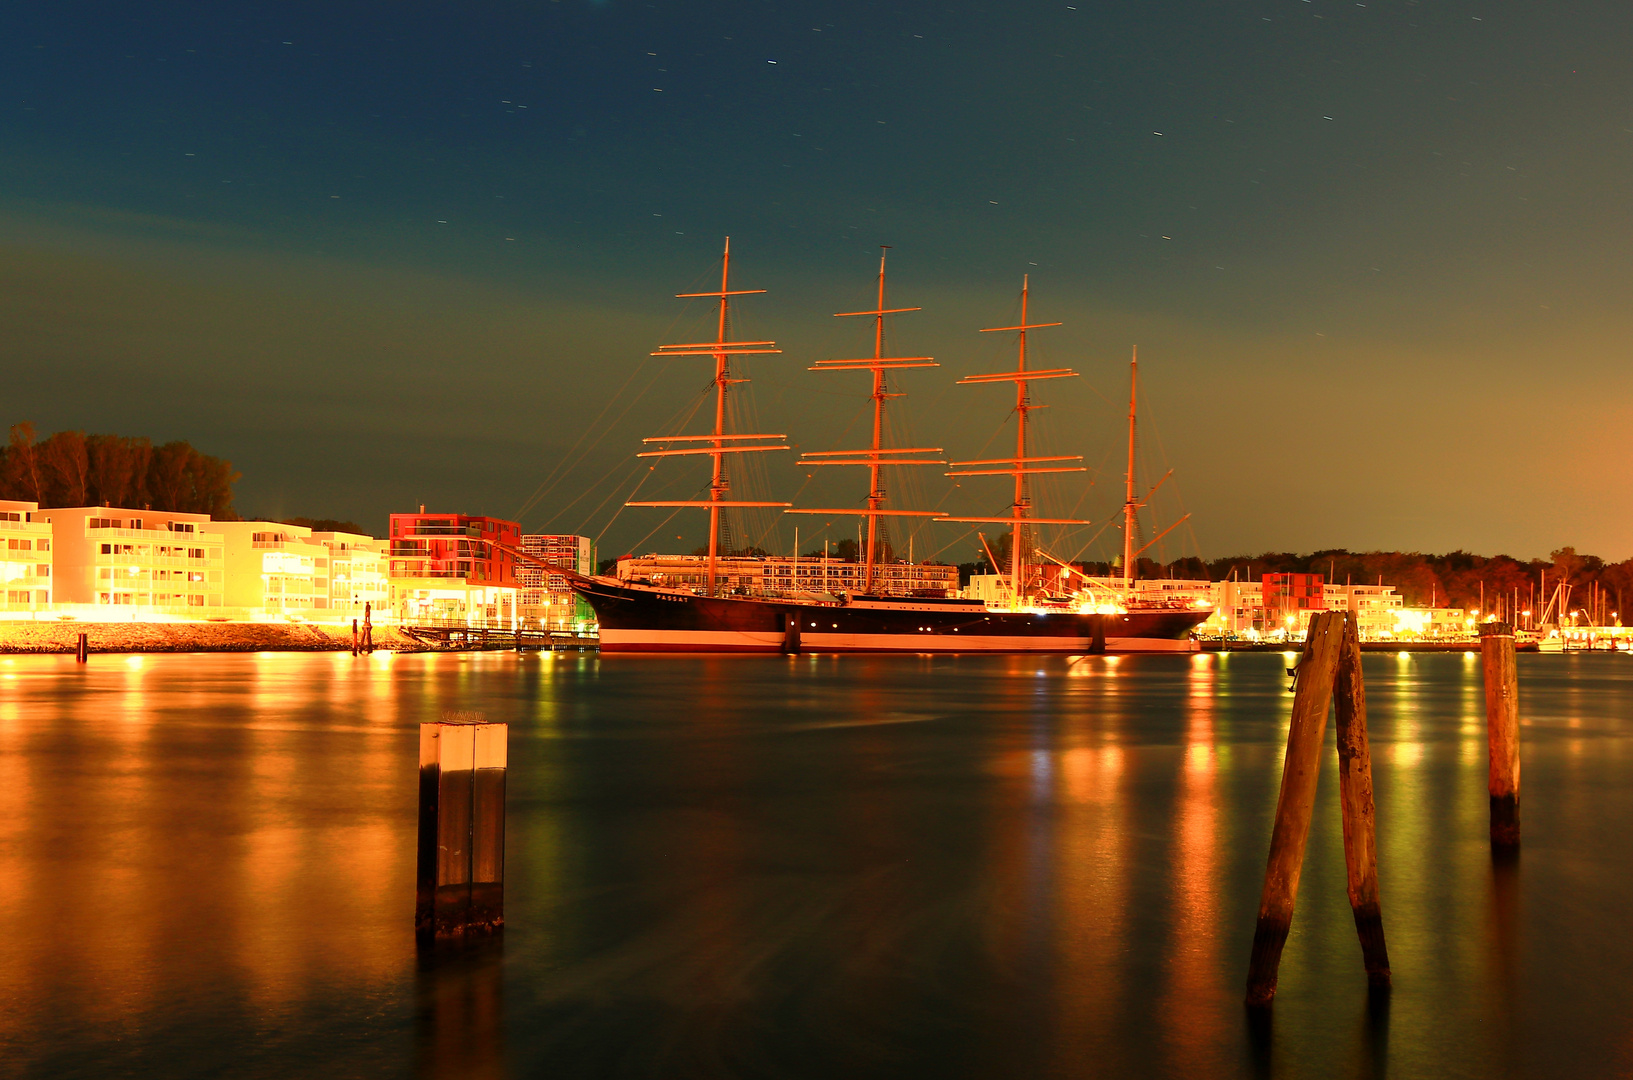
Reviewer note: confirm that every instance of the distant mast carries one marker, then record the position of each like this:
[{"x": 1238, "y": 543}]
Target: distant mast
[
  {"x": 1131, "y": 502},
  {"x": 721, "y": 442},
  {"x": 876, "y": 455},
  {"x": 1130, "y": 505},
  {"x": 1020, "y": 466}
]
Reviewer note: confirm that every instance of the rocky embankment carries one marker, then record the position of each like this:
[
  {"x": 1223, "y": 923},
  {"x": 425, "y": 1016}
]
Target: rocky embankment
[{"x": 62, "y": 636}]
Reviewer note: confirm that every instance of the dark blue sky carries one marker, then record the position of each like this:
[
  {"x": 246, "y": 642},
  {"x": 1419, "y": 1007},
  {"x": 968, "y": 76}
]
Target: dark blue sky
[{"x": 1375, "y": 255}]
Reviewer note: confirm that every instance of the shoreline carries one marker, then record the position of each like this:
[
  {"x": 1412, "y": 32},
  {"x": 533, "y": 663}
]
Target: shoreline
[{"x": 17, "y": 638}]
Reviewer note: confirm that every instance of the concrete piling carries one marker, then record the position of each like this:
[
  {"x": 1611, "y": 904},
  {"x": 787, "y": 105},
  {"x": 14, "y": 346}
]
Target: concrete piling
[
  {"x": 461, "y": 864},
  {"x": 1502, "y": 732}
]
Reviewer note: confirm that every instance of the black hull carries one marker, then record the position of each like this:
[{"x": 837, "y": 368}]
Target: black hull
[{"x": 637, "y": 619}]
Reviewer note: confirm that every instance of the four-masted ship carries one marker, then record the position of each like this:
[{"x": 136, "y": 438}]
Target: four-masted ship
[{"x": 639, "y": 617}]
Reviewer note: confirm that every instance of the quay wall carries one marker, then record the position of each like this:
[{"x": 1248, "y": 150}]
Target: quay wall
[{"x": 62, "y": 636}]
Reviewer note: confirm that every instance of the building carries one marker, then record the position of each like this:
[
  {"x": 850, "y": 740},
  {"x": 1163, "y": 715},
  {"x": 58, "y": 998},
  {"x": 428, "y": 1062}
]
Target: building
[
  {"x": 1377, "y": 608},
  {"x": 453, "y": 569},
  {"x": 785, "y": 575},
  {"x": 1437, "y": 622},
  {"x": 149, "y": 562},
  {"x": 1288, "y": 599},
  {"x": 357, "y": 568},
  {"x": 547, "y": 599},
  {"x": 272, "y": 569},
  {"x": 25, "y": 561}
]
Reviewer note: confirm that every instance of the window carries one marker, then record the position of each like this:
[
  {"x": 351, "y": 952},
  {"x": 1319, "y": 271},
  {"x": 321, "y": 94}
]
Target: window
[
  {"x": 20, "y": 545},
  {"x": 44, "y": 545},
  {"x": 180, "y": 526},
  {"x": 104, "y": 523},
  {"x": 195, "y": 553},
  {"x": 195, "y": 601},
  {"x": 42, "y": 570}
]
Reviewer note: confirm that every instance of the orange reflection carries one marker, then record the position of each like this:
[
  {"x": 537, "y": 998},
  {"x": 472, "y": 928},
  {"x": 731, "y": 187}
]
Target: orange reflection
[
  {"x": 1092, "y": 863},
  {"x": 1191, "y": 1008}
]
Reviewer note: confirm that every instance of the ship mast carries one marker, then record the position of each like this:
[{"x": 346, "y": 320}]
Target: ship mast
[
  {"x": 720, "y": 441},
  {"x": 1130, "y": 505},
  {"x": 1021, "y": 465},
  {"x": 877, "y": 455},
  {"x": 1131, "y": 502}
]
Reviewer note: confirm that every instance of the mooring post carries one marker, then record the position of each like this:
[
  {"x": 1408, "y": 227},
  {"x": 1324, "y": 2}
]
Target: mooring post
[
  {"x": 354, "y": 637},
  {"x": 790, "y": 633},
  {"x": 82, "y": 651},
  {"x": 1355, "y": 793},
  {"x": 1502, "y": 732},
  {"x": 461, "y": 865},
  {"x": 1305, "y": 733}
]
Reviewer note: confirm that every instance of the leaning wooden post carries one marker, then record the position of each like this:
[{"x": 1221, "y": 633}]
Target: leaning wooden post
[
  {"x": 1305, "y": 734},
  {"x": 461, "y": 871},
  {"x": 1355, "y": 793},
  {"x": 1502, "y": 732}
]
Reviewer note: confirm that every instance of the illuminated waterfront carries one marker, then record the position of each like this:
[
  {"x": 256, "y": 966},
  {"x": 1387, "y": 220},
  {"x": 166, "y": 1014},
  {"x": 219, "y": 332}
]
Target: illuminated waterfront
[{"x": 806, "y": 866}]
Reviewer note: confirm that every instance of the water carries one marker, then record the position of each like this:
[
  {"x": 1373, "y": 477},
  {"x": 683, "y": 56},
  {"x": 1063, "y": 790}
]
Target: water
[{"x": 807, "y": 867}]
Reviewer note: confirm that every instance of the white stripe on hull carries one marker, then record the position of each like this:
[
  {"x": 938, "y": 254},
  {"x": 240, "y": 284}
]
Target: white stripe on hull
[
  {"x": 748, "y": 641},
  {"x": 941, "y": 643},
  {"x": 1151, "y": 644},
  {"x": 689, "y": 641}
]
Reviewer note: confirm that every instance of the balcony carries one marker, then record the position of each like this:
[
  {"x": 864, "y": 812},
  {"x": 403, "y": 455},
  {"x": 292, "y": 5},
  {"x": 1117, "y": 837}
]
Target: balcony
[{"x": 445, "y": 530}]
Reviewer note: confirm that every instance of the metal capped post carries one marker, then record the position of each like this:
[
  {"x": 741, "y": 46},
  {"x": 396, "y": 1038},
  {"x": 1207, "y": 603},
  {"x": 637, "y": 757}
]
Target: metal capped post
[{"x": 461, "y": 866}]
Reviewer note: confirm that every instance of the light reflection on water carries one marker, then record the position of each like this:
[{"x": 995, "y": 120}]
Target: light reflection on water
[{"x": 807, "y": 867}]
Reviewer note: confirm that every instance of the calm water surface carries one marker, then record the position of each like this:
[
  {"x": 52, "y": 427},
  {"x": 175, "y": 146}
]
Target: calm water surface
[{"x": 807, "y": 867}]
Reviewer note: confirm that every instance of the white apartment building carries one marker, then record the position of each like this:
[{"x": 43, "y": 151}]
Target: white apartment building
[
  {"x": 135, "y": 561},
  {"x": 25, "y": 558},
  {"x": 784, "y": 575},
  {"x": 272, "y": 568},
  {"x": 356, "y": 574}
]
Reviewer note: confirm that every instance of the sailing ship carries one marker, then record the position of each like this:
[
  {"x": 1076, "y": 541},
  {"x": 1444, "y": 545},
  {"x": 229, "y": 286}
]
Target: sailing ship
[{"x": 641, "y": 617}]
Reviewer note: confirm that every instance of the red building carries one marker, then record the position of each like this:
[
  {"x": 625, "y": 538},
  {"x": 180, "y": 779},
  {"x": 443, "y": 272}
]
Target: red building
[
  {"x": 1286, "y": 595},
  {"x": 450, "y": 568}
]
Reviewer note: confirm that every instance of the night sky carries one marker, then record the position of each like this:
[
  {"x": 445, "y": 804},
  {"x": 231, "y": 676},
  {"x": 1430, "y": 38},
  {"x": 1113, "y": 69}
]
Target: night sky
[{"x": 1376, "y": 257}]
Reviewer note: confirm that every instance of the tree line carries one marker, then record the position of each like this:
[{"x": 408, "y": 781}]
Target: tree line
[
  {"x": 72, "y": 468},
  {"x": 1456, "y": 579}
]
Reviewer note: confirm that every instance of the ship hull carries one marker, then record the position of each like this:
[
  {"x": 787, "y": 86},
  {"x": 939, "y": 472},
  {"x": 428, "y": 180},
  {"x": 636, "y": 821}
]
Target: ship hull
[{"x": 635, "y": 619}]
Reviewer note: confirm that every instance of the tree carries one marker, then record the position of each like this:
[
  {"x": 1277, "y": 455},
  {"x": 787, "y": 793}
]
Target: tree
[
  {"x": 67, "y": 467},
  {"x": 118, "y": 469},
  {"x": 22, "y": 473},
  {"x": 326, "y": 525}
]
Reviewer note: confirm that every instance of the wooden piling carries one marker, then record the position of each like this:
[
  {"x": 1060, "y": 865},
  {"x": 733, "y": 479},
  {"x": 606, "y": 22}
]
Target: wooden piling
[
  {"x": 82, "y": 651},
  {"x": 461, "y": 863},
  {"x": 1502, "y": 732},
  {"x": 1097, "y": 634},
  {"x": 790, "y": 633},
  {"x": 354, "y": 637},
  {"x": 1305, "y": 734},
  {"x": 1355, "y": 794}
]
